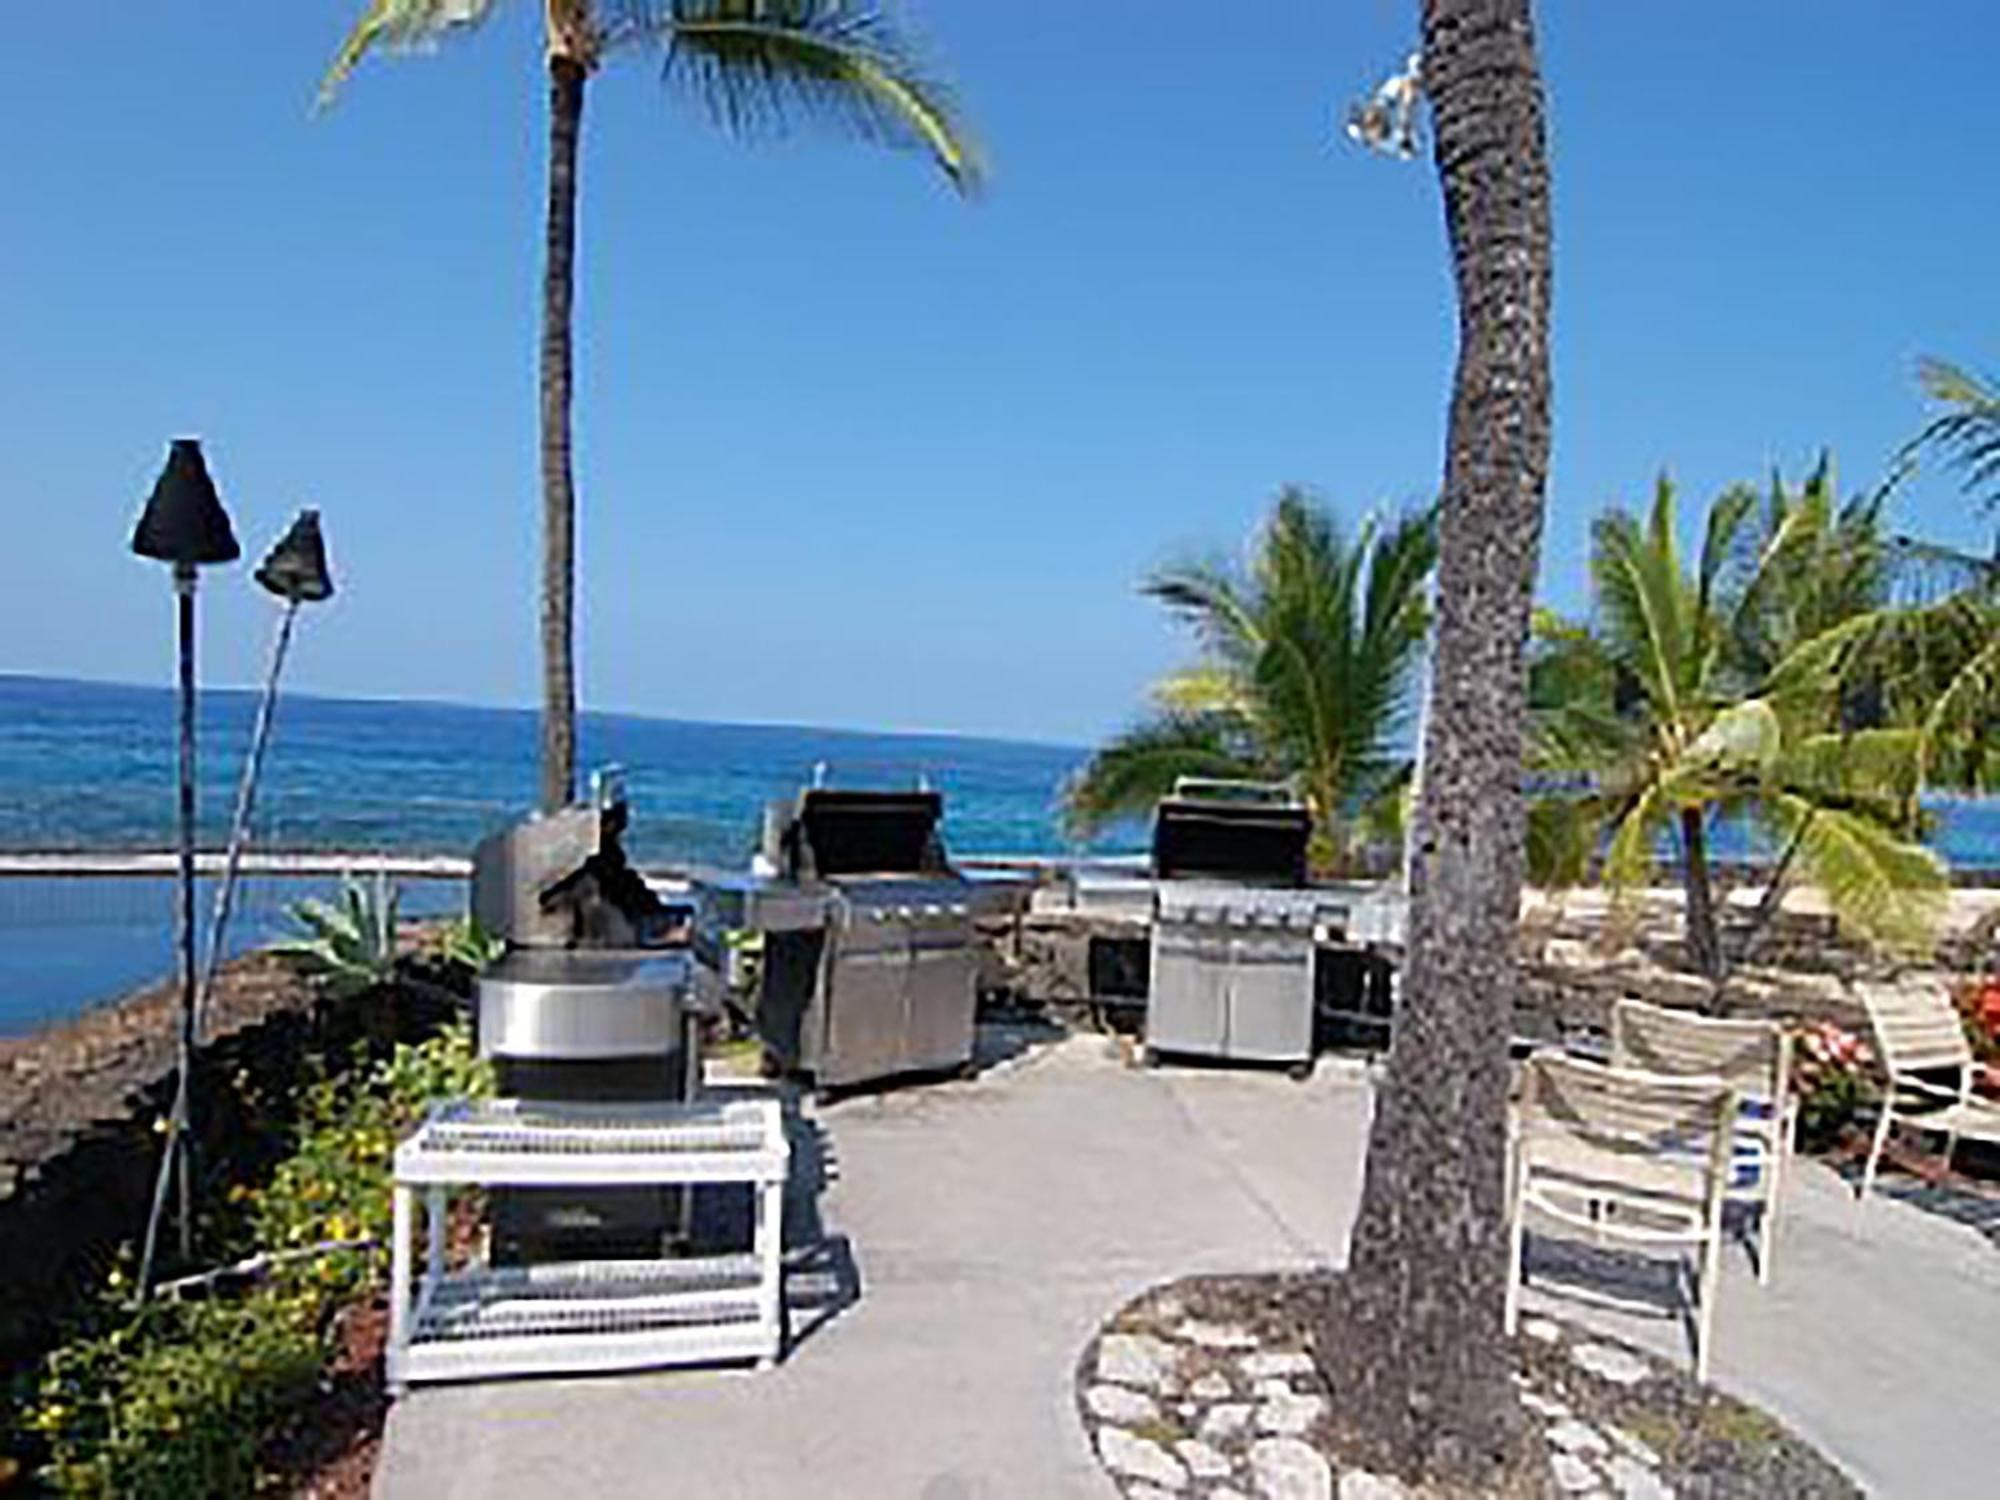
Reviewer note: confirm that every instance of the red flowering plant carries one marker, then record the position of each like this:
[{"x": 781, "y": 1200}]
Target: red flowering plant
[
  {"x": 1978, "y": 1003},
  {"x": 1832, "y": 1073}
]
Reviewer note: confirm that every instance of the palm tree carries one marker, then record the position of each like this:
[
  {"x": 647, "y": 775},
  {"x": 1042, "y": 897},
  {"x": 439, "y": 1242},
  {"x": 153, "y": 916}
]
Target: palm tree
[
  {"x": 1307, "y": 659},
  {"x": 1414, "y": 1343},
  {"x": 757, "y": 65},
  {"x": 1700, "y": 692}
]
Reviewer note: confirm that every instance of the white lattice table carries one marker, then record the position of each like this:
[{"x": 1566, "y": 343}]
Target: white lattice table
[{"x": 586, "y": 1315}]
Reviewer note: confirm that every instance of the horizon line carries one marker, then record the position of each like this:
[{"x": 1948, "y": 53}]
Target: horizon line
[{"x": 856, "y": 731}]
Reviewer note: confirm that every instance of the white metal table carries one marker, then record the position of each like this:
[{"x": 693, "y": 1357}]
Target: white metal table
[{"x": 586, "y": 1315}]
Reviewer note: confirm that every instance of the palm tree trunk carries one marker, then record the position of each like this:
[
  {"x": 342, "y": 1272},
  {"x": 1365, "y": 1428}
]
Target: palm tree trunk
[
  {"x": 1416, "y": 1345},
  {"x": 566, "y": 81},
  {"x": 1704, "y": 940}
]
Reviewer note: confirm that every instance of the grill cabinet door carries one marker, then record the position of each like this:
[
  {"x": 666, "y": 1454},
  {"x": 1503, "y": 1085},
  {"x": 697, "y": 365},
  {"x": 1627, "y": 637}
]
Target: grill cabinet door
[
  {"x": 1188, "y": 1007},
  {"x": 1270, "y": 993},
  {"x": 943, "y": 993},
  {"x": 865, "y": 1001}
]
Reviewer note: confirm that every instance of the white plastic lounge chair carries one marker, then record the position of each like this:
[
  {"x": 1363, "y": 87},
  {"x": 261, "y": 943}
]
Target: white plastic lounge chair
[
  {"x": 1622, "y": 1155},
  {"x": 1930, "y": 1066},
  {"x": 1752, "y": 1057}
]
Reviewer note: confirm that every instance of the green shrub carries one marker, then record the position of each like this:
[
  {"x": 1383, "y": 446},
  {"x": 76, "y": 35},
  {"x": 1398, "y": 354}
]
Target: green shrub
[
  {"x": 178, "y": 1402},
  {"x": 179, "y": 1398}
]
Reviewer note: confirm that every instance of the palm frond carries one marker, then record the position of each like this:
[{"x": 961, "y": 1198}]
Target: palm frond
[
  {"x": 1635, "y": 575},
  {"x": 1890, "y": 889},
  {"x": 1628, "y": 858},
  {"x": 398, "y": 25},
  {"x": 1129, "y": 775},
  {"x": 1563, "y": 833},
  {"x": 1962, "y": 729},
  {"x": 1724, "y": 553},
  {"x": 1967, "y": 434},
  {"x": 1745, "y": 738},
  {"x": 1213, "y": 602},
  {"x": 1881, "y": 769},
  {"x": 761, "y": 66},
  {"x": 1200, "y": 690}
]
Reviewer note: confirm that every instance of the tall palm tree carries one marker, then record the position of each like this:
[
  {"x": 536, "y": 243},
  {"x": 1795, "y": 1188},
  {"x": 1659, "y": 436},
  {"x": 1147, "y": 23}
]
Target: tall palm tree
[
  {"x": 757, "y": 65},
  {"x": 1415, "y": 1345},
  {"x": 1700, "y": 691},
  {"x": 1307, "y": 659}
]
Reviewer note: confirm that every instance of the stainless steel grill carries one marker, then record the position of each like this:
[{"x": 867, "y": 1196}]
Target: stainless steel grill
[
  {"x": 591, "y": 1003},
  {"x": 869, "y": 966},
  {"x": 1234, "y": 927}
]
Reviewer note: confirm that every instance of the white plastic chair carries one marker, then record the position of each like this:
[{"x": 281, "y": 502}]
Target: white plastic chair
[
  {"x": 1622, "y": 1155},
  {"x": 1755, "y": 1059},
  {"x": 1920, "y": 1038}
]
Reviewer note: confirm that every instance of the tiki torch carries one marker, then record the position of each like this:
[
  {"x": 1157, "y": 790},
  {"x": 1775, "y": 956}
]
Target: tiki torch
[
  {"x": 295, "y": 571},
  {"x": 185, "y": 526}
]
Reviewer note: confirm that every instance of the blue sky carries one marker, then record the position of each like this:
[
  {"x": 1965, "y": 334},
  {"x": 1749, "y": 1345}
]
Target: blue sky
[{"x": 852, "y": 452}]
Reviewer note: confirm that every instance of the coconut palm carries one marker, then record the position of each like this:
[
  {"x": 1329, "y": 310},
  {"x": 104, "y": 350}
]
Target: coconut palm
[
  {"x": 1414, "y": 1341},
  {"x": 1307, "y": 658},
  {"x": 757, "y": 65},
  {"x": 1702, "y": 691}
]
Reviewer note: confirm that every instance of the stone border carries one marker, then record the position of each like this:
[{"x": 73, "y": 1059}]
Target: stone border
[{"x": 1204, "y": 1389}]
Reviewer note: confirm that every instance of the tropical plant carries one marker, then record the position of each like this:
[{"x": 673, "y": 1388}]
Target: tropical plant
[
  {"x": 466, "y": 943},
  {"x": 1966, "y": 432},
  {"x": 1414, "y": 1341},
  {"x": 347, "y": 945},
  {"x": 1307, "y": 659},
  {"x": 757, "y": 65},
  {"x": 1699, "y": 692}
]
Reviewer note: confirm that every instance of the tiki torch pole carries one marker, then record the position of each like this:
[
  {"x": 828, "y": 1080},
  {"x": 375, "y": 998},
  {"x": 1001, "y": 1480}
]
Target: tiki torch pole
[
  {"x": 184, "y": 525},
  {"x": 177, "y": 1143},
  {"x": 295, "y": 570}
]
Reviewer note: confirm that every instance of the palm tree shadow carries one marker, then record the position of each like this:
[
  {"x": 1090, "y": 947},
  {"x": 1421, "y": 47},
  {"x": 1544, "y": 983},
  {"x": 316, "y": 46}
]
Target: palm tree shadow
[{"x": 1951, "y": 1197}]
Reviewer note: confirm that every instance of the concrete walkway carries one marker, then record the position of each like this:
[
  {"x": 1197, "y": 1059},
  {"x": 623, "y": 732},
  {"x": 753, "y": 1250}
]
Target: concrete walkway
[{"x": 957, "y": 1244}]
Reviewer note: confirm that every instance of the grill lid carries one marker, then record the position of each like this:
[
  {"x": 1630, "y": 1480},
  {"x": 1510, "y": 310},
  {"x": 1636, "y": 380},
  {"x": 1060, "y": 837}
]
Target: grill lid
[
  {"x": 849, "y": 832},
  {"x": 1251, "y": 832},
  {"x": 561, "y": 880}
]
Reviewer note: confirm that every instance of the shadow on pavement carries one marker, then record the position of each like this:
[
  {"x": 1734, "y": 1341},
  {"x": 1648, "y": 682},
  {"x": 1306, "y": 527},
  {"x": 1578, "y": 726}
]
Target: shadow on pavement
[{"x": 822, "y": 1279}]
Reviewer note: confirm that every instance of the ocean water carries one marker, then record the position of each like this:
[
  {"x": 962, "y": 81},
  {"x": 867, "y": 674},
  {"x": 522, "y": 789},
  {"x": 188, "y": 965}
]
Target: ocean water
[{"x": 90, "y": 766}]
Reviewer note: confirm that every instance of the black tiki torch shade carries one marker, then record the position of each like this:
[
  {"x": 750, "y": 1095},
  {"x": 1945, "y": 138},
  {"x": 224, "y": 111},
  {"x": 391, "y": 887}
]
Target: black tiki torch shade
[
  {"x": 184, "y": 521},
  {"x": 295, "y": 568}
]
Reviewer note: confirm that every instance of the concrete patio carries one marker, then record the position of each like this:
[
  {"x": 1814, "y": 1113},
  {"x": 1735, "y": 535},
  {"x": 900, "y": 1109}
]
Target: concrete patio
[{"x": 955, "y": 1246}]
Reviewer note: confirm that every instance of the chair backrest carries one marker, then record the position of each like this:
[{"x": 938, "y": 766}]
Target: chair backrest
[
  {"x": 1916, "y": 1026},
  {"x": 1643, "y": 1114},
  {"x": 1752, "y": 1057}
]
